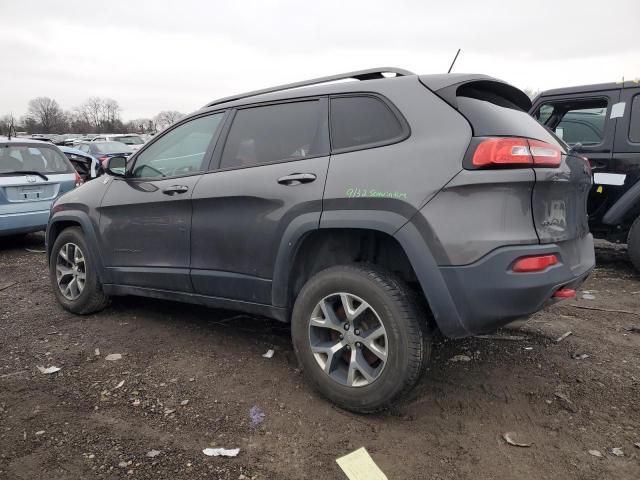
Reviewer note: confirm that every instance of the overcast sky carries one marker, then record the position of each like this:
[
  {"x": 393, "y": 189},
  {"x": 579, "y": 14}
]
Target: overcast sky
[{"x": 161, "y": 55}]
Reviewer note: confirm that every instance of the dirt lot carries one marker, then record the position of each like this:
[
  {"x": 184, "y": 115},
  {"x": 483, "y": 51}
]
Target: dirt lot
[{"x": 80, "y": 423}]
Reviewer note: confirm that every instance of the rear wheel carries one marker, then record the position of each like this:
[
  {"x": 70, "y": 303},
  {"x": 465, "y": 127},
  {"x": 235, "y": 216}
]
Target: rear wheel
[
  {"x": 633, "y": 243},
  {"x": 360, "y": 336},
  {"x": 72, "y": 271}
]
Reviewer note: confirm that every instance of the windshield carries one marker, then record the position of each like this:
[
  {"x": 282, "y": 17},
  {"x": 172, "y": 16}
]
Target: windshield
[
  {"x": 110, "y": 147},
  {"x": 130, "y": 140},
  {"x": 41, "y": 159}
]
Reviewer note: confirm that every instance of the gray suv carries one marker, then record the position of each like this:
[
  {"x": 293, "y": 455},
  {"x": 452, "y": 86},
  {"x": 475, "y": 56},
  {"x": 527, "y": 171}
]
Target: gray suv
[{"x": 366, "y": 213}]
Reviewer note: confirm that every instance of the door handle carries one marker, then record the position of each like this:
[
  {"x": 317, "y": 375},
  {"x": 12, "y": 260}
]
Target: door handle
[
  {"x": 297, "y": 179},
  {"x": 173, "y": 189}
]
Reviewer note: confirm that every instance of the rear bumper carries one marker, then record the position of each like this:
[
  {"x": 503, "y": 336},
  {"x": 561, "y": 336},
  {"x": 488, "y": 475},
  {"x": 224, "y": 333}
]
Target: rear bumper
[
  {"x": 487, "y": 294},
  {"x": 23, "y": 222}
]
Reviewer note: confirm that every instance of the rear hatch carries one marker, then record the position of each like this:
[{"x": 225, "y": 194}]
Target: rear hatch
[
  {"x": 32, "y": 176},
  {"x": 506, "y": 137}
]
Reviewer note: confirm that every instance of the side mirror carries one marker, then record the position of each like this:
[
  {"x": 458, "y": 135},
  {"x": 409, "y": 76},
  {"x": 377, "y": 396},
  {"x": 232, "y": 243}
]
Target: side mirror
[{"x": 116, "y": 166}]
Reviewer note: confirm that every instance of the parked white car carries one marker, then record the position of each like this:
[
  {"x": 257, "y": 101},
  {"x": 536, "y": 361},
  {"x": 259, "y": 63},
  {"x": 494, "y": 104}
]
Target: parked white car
[{"x": 133, "y": 140}]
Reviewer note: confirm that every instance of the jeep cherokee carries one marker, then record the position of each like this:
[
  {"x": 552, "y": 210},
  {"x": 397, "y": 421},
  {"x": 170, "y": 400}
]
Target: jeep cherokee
[{"x": 365, "y": 212}]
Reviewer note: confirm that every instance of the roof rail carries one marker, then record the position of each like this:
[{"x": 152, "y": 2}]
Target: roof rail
[{"x": 368, "y": 74}]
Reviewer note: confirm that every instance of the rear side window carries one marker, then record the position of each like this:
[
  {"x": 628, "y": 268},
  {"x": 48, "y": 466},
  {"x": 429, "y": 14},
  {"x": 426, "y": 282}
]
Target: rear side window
[
  {"x": 275, "y": 133},
  {"x": 361, "y": 122},
  {"x": 41, "y": 159},
  {"x": 634, "y": 124},
  {"x": 576, "y": 122}
]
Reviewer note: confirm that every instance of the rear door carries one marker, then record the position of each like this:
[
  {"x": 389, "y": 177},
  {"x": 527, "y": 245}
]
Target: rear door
[
  {"x": 145, "y": 219},
  {"x": 267, "y": 179},
  {"x": 626, "y": 153},
  {"x": 587, "y": 119}
]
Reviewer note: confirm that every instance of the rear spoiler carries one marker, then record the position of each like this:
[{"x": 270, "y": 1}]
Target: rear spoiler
[{"x": 450, "y": 86}]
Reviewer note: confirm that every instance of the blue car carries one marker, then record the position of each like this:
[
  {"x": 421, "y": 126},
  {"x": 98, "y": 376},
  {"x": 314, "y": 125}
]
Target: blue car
[{"x": 32, "y": 174}]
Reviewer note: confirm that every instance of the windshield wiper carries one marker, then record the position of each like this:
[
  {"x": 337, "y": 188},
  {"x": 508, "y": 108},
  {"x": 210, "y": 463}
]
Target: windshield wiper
[{"x": 26, "y": 172}]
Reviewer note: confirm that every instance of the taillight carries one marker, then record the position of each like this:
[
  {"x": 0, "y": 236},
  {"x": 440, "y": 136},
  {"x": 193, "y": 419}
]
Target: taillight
[
  {"x": 515, "y": 152},
  {"x": 536, "y": 263},
  {"x": 79, "y": 180},
  {"x": 545, "y": 154}
]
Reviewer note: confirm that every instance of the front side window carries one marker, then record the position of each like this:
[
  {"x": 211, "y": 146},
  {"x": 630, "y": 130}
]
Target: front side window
[
  {"x": 362, "y": 121},
  {"x": 181, "y": 151},
  {"x": 576, "y": 122},
  {"x": 275, "y": 133}
]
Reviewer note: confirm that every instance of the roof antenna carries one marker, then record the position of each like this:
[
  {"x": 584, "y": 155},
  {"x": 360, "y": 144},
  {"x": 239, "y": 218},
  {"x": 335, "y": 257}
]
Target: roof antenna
[{"x": 454, "y": 60}]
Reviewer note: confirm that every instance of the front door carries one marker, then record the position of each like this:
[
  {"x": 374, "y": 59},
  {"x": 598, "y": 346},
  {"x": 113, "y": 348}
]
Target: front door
[
  {"x": 268, "y": 181},
  {"x": 145, "y": 218}
]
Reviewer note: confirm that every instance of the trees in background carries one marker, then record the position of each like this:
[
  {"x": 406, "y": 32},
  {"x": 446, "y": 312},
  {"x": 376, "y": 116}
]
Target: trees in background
[
  {"x": 46, "y": 114},
  {"x": 166, "y": 118},
  {"x": 99, "y": 115},
  {"x": 94, "y": 115}
]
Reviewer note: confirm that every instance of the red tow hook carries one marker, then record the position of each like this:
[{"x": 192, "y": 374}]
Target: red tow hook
[{"x": 565, "y": 293}]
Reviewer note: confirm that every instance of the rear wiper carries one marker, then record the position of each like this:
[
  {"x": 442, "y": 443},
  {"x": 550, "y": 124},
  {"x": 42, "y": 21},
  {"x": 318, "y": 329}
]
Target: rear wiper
[{"x": 27, "y": 172}]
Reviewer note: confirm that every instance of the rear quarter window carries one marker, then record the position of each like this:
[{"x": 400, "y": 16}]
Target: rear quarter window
[
  {"x": 493, "y": 119},
  {"x": 363, "y": 122}
]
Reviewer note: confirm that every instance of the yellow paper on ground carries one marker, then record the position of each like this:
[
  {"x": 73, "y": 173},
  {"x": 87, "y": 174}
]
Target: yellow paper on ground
[{"x": 359, "y": 465}]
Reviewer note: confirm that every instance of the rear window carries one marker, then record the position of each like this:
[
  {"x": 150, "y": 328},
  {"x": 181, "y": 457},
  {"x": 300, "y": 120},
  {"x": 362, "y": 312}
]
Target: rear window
[
  {"x": 634, "y": 124},
  {"x": 361, "y": 122},
  {"x": 275, "y": 133},
  {"x": 110, "y": 147},
  {"x": 41, "y": 159}
]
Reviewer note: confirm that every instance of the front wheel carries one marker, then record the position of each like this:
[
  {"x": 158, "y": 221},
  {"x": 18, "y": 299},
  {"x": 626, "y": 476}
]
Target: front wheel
[
  {"x": 72, "y": 271},
  {"x": 360, "y": 336}
]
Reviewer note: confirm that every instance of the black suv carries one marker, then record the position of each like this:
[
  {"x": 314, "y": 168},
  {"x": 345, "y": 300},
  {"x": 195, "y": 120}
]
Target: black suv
[
  {"x": 364, "y": 212},
  {"x": 602, "y": 122}
]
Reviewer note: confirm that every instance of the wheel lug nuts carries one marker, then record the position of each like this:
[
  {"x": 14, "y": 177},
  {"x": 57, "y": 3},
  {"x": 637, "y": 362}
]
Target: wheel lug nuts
[
  {"x": 341, "y": 336},
  {"x": 356, "y": 331},
  {"x": 358, "y": 344},
  {"x": 346, "y": 326},
  {"x": 348, "y": 347}
]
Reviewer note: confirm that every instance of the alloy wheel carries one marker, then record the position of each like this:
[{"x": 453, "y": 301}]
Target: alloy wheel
[
  {"x": 348, "y": 339},
  {"x": 71, "y": 271}
]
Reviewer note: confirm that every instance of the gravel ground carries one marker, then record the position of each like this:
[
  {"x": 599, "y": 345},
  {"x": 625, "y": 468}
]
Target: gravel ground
[{"x": 189, "y": 376}]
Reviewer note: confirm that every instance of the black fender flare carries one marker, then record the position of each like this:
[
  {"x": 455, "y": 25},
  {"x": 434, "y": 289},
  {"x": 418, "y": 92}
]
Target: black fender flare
[
  {"x": 81, "y": 219},
  {"x": 290, "y": 242},
  {"x": 434, "y": 287},
  {"x": 420, "y": 257}
]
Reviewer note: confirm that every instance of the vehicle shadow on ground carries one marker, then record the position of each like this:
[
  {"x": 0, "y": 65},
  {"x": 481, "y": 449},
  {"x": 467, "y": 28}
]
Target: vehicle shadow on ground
[{"x": 32, "y": 241}]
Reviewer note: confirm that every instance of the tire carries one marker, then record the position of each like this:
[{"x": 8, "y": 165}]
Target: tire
[
  {"x": 406, "y": 342},
  {"x": 91, "y": 298},
  {"x": 633, "y": 244}
]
